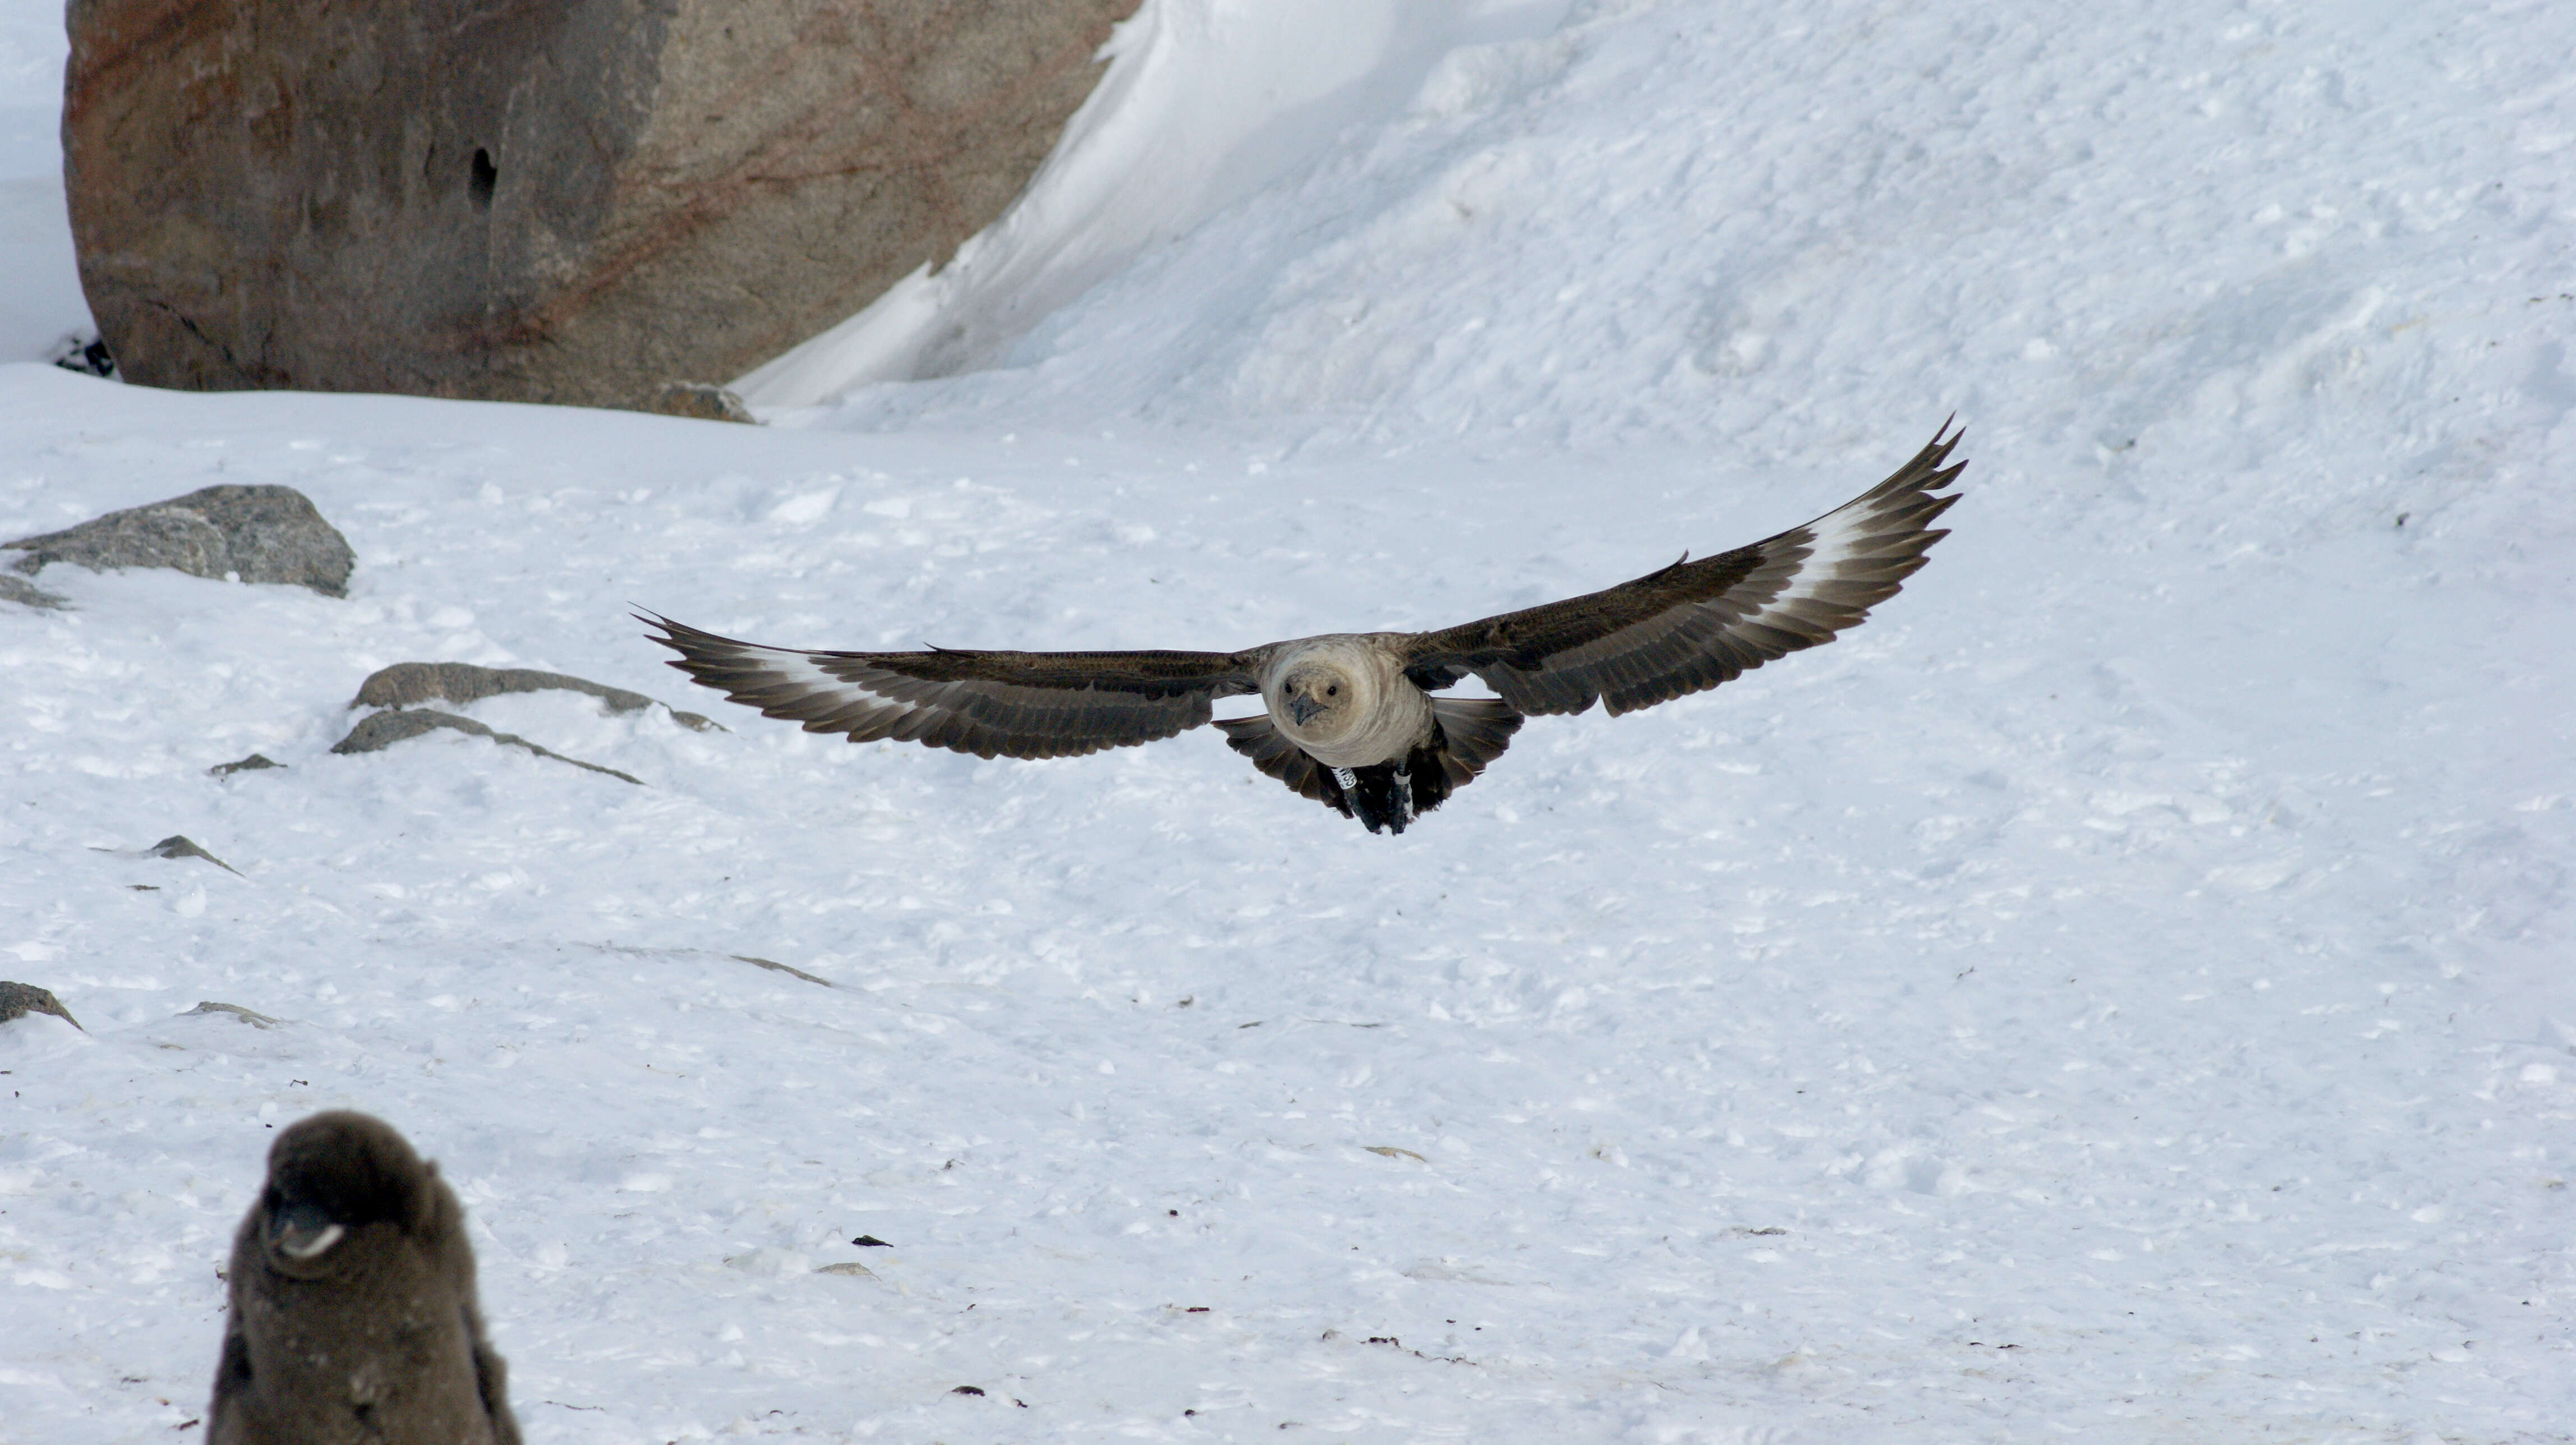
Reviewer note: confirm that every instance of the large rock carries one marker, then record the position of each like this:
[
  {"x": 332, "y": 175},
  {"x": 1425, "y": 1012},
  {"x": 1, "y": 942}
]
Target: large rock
[
  {"x": 256, "y": 534},
  {"x": 537, "y": 200}
]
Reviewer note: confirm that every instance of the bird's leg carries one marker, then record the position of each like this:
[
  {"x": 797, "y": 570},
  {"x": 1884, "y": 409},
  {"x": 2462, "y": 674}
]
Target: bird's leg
[
  {"x": 1404, "y": 812},
  {"x": 1362, "y": 806}
]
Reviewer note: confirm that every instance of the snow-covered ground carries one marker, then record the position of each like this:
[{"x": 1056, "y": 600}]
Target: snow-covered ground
[{"x": 2121, "y": 993}]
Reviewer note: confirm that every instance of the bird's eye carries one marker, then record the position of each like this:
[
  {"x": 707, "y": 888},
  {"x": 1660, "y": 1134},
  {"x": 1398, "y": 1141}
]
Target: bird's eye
[{"x": 1334, "y": 691}]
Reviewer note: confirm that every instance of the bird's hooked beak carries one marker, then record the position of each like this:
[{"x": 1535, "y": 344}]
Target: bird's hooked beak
[
  {"x": 1302, "y": 708},
  {"x": 303, "y": 1230}
]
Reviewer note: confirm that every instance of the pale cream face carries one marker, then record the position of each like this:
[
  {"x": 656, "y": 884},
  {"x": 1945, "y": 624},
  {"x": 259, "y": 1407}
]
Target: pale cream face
[
  {"x": 1345, "y": 701},
  {"x": 1316, "y": 702}
]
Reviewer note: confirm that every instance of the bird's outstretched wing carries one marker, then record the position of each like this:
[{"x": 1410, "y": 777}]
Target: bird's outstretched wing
[
  {"x": 1694, "y": 625},
  {"x": 1010, "y": 704}
]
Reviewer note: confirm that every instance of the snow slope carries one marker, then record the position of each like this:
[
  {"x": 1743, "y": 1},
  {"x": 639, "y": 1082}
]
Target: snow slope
[
  {"x": 42, "y": 301},
  {"x": 2121, "y": 992},
  {"x": 1202, "y": 103}
]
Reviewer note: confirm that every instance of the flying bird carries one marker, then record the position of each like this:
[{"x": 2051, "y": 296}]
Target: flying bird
[
  {"x": 1352, "y": 720},
  {"x": 353, "y": 1311}
]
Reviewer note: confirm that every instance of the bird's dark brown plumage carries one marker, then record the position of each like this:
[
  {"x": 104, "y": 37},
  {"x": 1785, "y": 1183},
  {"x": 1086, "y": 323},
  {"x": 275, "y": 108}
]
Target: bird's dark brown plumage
[
  {"x": 1694, "y": 625},
  {"x": 1680, "y": 630},
  {"x": 1019, "y": 704}
]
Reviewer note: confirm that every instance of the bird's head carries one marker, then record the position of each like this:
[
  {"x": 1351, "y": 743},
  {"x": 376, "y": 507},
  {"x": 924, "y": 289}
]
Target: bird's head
[
  {"x": 332, "y": 1176},
  {"x": 1318, "y": 699}
]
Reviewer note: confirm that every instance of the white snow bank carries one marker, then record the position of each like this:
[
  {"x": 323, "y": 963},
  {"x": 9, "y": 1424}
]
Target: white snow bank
[
  {"x": 1698, "y": 225},
  {"x": 1204, "y": 102}
]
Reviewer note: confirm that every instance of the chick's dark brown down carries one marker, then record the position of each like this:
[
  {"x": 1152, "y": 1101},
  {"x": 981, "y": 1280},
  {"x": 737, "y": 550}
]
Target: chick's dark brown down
[{"x": 353, "y": 1314}]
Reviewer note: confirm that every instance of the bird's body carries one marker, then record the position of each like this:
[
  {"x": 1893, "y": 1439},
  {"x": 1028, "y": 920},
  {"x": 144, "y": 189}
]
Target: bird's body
[
  {"x": 1375, "y": 741},
  {"x": 1352, "y": 720},
  {"x": 354, "y": 1319}
]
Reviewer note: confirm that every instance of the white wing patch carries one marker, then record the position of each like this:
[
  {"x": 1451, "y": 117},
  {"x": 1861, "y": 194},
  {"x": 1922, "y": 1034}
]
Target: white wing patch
[
  {"x": 1846, "y": 560},
  {"x": 783, "y": 675}
]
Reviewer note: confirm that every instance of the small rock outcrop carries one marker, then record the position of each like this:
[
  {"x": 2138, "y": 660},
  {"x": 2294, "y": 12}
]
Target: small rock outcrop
[
  {"x": 579, "y": 202},
  {"x": 699, "y": 401},
  {"x": 379, "y": 731},
  {"x": 28, "y": 594},
  {"x": 17, "y": 1000},
  {"x": 409, "y": 684},
  {"x": 258, "y": 534},
  {"x": 775, "y": 966},
  {"x": 180, "y": 845},
  {"x": 251, "y": 1017},
  {"x": 254, "y": 763}
]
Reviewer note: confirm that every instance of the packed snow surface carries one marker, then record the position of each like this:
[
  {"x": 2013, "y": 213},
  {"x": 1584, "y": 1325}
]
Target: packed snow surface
[
  {"x": 2120, "y": 993},
  {"x": 1203, "y": 103}
]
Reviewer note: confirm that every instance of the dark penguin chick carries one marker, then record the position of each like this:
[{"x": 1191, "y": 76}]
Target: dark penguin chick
[{"x": 354, "y": 1320}]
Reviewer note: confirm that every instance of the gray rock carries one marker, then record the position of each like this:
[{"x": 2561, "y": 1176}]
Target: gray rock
[
  {"x": 776, "y": 967},
  {"x": 259, "y": 534},
  {"x": 254, "y": 763},
  {"x": 698, "y": 401},
  {"x": 579, "y": 202},
  {"x": 379, "y": 731},
  {"x": 17, "y": 1000},
  {"x": 255, "y": 1020},
  {"x": 408, "y": 684},
  {"x": 28, "y": 594},
  {"x": 179, "y": 845}
]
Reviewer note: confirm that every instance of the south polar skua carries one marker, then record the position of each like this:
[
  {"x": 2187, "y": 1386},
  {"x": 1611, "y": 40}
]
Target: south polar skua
[{"x": 1351, "y": 719}]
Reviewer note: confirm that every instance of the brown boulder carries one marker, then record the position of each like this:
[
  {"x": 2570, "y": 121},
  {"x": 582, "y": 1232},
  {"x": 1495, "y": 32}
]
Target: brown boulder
[{"x": 575, "y": 201}]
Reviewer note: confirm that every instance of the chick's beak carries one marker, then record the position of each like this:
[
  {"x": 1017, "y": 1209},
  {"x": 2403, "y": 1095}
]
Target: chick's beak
[{"x": 303, "y": 1231}]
